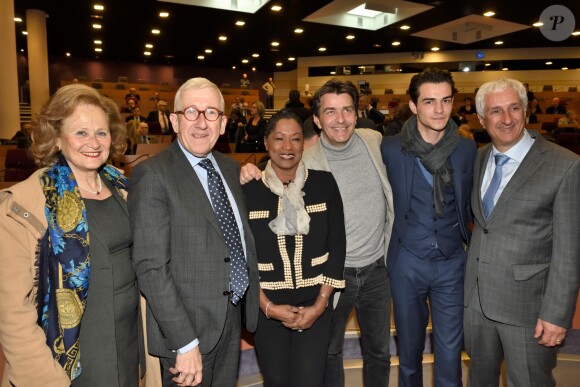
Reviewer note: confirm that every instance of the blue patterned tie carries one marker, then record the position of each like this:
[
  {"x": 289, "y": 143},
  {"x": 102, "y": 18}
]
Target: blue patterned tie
[
  {"x": 227, "y": 221},
  {"x": 488, "y": 204}
]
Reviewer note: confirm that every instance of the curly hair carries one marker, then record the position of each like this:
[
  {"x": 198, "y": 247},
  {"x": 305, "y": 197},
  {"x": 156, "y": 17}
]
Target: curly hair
[{"x": 47, "y": 125}]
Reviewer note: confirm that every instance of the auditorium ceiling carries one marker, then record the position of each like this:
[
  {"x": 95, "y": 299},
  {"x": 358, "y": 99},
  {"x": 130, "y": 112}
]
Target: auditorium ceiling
[{"x": 190, "y": 33}]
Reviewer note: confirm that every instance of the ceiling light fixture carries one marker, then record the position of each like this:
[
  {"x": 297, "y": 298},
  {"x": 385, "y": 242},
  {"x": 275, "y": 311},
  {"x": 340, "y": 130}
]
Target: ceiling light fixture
[
  {"x": 322, "y": 49},
  {"x": 253, "y": 69},
  {"x": 276, "y": 8},
  {"x": 487, "y": 64},
  {"x": 363, "y": 11},
  {"x": 208, "y": 51},
  {"x": 99, "y": 7},
  {"x": 548, "y": 63},
  {"x": 489, "y": 14},
  {"x": 505, "y": 69},
  {"x": 275, "y": 44},
  {"x": 538, "y": 24},
  {"x": 298, "y": 30},
  {"x": 405, "y": 27},
  {"x": 350, "y": 37},
  {"x": 240, "y": 23},
  {"x": 223, "y": 38},
  {"x": 18, "y": 20},
  {"x": 97, "y": 42},
  {"x": 233, "y": 67},
  {"x": 291, "y": 59},
  {"x": 498, "y": 43},
  {"x": 163, "y": 14},
  {"x": 279, "y": 64},
  {"x": 396, "y": 44},
  {"x": 98, "y": 49},
  {"x": 147, "y": 53},
  {"x": 564, "y": 68},
  {"x": 576, "y": 33},
  {"x": 435, "y": 49},
  {"x": 97, "y": 26},
  {"x": 255, "y": 55},
  {"x": 67, "y": 53},
  {"x": 24, "y": 32},
  {"x": 155, "y": 31},
  {"x": 148, "y": 45},
  {"x": 245, "y": 61},
  {"x": 200, "y": 57}
]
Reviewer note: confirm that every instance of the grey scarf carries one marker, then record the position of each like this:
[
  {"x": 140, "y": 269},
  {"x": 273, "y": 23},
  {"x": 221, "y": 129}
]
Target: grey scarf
[
  {"x": 293, "y": 218},
  {"x": 435, "y": 158}
]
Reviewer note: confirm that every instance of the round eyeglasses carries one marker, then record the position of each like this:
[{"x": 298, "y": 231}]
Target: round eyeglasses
[{"x": 192, "y": 114}]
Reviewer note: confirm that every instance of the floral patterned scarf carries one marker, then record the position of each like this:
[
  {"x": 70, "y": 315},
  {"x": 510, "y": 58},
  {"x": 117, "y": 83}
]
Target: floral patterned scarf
[{"x": 64, "y": 262}]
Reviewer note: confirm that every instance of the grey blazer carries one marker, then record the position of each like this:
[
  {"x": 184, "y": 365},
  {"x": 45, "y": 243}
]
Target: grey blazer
[
  {"x": 180, "y": 255},
  {"x": 526, "y": 256}
]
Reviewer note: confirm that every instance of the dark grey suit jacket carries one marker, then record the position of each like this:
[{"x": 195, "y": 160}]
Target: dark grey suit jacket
[
  {"x": 180, "y": 255},
  {"x": 526, "y": 256}
]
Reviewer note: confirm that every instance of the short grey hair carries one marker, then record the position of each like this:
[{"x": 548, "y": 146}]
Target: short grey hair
[
  {"x": 496, "y": 86},
  {"x": 196, "y": 84}
]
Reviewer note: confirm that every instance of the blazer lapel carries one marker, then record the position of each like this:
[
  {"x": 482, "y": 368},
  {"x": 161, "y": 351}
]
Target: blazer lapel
[{"x": 186, "y": 179}]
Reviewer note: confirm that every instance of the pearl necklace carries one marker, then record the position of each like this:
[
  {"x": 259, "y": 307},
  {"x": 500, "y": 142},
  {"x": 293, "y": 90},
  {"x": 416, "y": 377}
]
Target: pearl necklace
[{"x": 98, "y": 191}]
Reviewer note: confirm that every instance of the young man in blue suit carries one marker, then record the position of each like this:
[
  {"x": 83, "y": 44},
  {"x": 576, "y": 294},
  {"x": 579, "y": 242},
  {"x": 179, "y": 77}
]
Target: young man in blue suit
[{"x": 430, "y": 168}]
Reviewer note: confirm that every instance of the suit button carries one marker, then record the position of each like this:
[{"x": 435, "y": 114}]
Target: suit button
[
  {"x": 435, "y": 232},
  {"x": 226, "y": 293},
  {"x": 485, "y": 231},
  {"x": 226, "y": 259}
]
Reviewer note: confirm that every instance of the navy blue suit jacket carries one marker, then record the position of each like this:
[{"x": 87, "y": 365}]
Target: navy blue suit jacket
[{"x": 400, "y": 169}]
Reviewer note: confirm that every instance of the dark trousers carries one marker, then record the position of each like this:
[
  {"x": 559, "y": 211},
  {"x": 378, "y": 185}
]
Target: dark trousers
[
  {"x": 290, "y": 358},
  {"x": 368, "y": 291},
  {"x": 269, "y": 101},
  {"x": 413, "y": 280},
  {"x": 220, "y": 365},
  {"x": 488, "y": 342}
]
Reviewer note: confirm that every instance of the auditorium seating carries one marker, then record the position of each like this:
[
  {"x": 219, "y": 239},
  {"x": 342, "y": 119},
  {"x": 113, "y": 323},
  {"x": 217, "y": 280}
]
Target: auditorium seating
[{"x": 18, "y": 165}]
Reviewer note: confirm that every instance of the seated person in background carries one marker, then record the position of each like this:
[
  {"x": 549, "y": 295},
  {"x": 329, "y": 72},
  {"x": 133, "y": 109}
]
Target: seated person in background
[
  {"x": 136, "y": 115},
  {"x": 467, "y": 108},
  {"x": 244, "y": 82},
  {"x": 569, "y": 120},
  {"x": 133, "y": 94},
  {"x": 161, "y": 116},
  {"x": 295, "y": 106},
  {"x": 366, "y": 110},
  {"x": 465, "y": 131},
  {"x": 556, "y": 107},
  {"x": 533, "y": 110},
  {"x": 401, "y": 115},
  {"x": 130, "y": 104},
  {"x": 155, "y": 97},
  {"x": 143, "y": 134},
  {"x": 23, "y": 137},
  {"x": 237, "y": 103}
]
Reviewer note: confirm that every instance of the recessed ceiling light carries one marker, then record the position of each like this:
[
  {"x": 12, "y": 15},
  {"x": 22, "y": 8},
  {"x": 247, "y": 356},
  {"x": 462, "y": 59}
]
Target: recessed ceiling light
[
  {"x": 376, "y": 45},
  {"x": 435, "y": 49},
  {"x": 148, "y": 45},
  {"x": 255, "y": 55},
  {"x": 548, "y": 63},
  {"x": 240, "y": 23},
  {"x": 576, "y": 33},
  {"x": 155, "y": 31},
  {"x": 538, "y": 24},
  {"x": 253, "y": 69},
  {"x": 487, "y": 64},
  {"x": 147, "y": 53},
  {"x": 505, "y": 69},
  {"x": 322, "y": 49},
  {"x": 396, "y": 43},
  {"x": 276, "y": 8},
  {"x": 279, "y": 64},
  {"x": 24, "y": 32},
  {"x": 18, "y": 20},
  {"x": 169, "y": 56},
  {"x": 223, "y": 38},
  {"x": 98, "y": 7},
  {"x": 98, "y": 49},
  {"x": 333, "y": 73},
  {"x": 405, "y": 27},
  {"x": 208, "y": 51},
  {"x": 21, "y": 50},
  {"x": 564, "y": 68},
  {"x": 275, "y": 44},
  {"x": 163, "y": 14},
  {"x": 245, "y": 61},
  {"x": 465, "y": 69},
  {"x": 200, "y": 57},
  {"x": 97, "y": 26},
  {"x": 498, "y": 43},
  {"x": 489, "y": 14},
  {"x": 291, "y": 59},
  {"x": 67, "y": 54},
  {"x": 350, "y": 37},
  {"x": 298, "y": 30},
  {"x": 233, "y": 67},
  {"x": 97, "y": 42}
]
